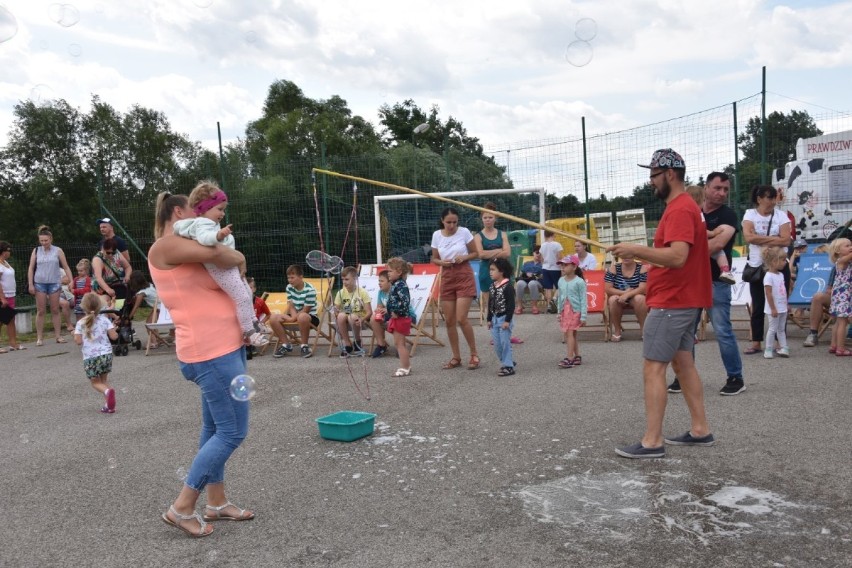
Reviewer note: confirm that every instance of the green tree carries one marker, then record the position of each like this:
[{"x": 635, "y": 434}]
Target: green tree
[
  {"x": 782, "y": 133},
  {"x": 43, "y": 178},
  {"x": 296, "y": 126}
]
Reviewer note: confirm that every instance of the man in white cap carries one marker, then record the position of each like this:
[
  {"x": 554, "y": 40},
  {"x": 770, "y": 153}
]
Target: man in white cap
[
  {"x": 108, "y": 232},
  {"x": 679, "y": 287}
]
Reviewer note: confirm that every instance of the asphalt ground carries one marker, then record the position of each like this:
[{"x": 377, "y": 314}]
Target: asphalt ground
[{"x": 464, "y": 468}]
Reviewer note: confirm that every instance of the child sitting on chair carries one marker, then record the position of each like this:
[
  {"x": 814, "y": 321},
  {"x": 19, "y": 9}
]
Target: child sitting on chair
[
  {"x": 209, "y": 203},
  {"x": 301, "y": 310},
  {"x": 351, "y": 309}
]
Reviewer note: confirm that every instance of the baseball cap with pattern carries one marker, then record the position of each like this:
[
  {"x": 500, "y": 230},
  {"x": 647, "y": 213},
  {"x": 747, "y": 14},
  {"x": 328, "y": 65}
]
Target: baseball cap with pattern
[
  {"x": 665, "y": 159},
  {"x": 570, "y": 259},
  {"x": 104, "y": 220}
]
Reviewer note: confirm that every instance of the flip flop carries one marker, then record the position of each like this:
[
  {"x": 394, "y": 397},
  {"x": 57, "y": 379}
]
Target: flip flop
[
  {"x": 752, "y": 351},
  {"x": 516, "y": 340},
  {"x": 39, "y": 343},
  {"x": 61, "y": 340},
  {"x": 402, "y": 372},
  {"x": 615, "y": 338},
  {"x": 843, "y": 353},
  {"x": 3, "y": 350}
]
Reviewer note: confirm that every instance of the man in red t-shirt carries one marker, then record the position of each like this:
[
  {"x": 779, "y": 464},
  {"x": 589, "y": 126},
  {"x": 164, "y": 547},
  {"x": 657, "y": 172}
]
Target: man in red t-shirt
[{"x": 679, "y": 286}]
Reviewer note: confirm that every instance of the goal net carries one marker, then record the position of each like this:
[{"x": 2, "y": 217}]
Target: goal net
[{"x": 404, "y": 223}]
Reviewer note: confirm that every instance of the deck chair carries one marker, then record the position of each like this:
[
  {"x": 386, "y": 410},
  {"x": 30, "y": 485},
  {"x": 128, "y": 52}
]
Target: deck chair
[
  {"x": 813, "y": 274},
  {"x": 597, "y": 304},
  {"x": 160, "y": 332}
]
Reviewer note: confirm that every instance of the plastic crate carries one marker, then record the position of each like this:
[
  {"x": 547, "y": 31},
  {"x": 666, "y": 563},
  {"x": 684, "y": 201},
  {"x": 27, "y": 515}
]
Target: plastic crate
[{"x": 346, "y": 426}]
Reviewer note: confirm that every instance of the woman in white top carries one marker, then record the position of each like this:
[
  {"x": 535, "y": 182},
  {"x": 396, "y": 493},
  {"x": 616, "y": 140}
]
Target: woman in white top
[
  {"x": 763, "y": 226},
  {"x": 587, "y": 259},
  {"x": 7, "y": 297},
  {"x": 452, "y": 249},
  {"x": 44, "y": 277}
]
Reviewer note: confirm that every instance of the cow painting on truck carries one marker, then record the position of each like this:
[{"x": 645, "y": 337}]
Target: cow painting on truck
[{"x": 817, "y": 185}]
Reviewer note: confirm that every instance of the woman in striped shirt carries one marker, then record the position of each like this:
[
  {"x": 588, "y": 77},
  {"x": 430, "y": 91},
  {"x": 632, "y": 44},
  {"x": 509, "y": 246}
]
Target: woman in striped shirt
[{"x": 625, "y": 283}]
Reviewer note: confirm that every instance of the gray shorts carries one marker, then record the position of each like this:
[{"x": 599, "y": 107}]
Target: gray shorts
[{"x": 668, "y": 331}]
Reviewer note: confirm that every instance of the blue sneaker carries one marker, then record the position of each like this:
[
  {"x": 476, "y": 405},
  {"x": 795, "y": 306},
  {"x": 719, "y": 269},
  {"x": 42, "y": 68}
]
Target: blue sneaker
[
  {"x": 637, "y": 451},
  {"x": 689, "y": 440}
]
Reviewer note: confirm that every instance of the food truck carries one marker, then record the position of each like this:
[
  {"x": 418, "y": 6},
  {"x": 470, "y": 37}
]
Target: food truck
[{"x": 817, "y": 185}]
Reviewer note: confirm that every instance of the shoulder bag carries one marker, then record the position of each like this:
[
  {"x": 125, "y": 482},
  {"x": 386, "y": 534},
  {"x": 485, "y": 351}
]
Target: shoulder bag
[{"x": 755, "y": 274}]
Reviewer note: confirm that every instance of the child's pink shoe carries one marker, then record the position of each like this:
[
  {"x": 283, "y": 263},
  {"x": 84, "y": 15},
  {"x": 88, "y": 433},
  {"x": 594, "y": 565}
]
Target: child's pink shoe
[{"x": 109, "y": 395}]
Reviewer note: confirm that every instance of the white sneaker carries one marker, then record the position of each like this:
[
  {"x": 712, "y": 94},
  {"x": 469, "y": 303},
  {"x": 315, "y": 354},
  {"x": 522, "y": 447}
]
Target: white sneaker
[
  {"x": 727, "y": 278},
  {"x": 811, "y": 340},
  {"x": 768, "y": 354},
  {"x": 259, "y": 340},
  {"x": 783, "y": 352}
]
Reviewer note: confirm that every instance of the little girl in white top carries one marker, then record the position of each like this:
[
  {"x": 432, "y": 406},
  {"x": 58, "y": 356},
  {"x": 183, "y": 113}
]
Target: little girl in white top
[
  {"x": 209, "y": 203},
  {"x": 774, "y": 259},
  {"x": 92, "y": 333}
]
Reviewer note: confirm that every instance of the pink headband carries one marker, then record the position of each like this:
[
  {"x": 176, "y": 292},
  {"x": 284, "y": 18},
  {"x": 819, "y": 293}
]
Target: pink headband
[{"x": 210, "y": 202}]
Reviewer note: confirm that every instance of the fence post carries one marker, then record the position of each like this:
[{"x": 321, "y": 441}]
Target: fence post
[
  {"x": 324, "y": 196},
  {"x": 763, "y": 129},
  {"x": 586, "y": 179},
  {"x": 736, "y": 188}
]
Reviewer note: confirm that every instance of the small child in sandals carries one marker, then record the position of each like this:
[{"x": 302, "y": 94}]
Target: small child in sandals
[
  {"x": 399, "y": 301},
  {"x": 93, "y": 333},
  {"x": 501, "y": 306}
]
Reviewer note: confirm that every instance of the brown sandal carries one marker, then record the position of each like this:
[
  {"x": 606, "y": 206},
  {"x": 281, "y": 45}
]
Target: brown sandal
[
  {"x": 452, "y": 363},
  {"x": 474, "y": 362}
]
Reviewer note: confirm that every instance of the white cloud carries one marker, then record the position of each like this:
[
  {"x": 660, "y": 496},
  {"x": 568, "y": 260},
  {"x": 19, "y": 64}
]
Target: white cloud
[{"x": 499, "y": 66}]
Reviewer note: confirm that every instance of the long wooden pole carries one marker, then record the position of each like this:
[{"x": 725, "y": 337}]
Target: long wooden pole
[{"x": 520, "y": 220}]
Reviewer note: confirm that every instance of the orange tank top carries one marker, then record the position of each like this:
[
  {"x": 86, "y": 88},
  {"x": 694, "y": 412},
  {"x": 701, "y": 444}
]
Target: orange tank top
[{"x": 205, "y": 317}]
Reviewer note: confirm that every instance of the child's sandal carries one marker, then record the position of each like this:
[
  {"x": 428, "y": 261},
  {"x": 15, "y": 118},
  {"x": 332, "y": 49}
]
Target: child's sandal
[
  {"x": 474, "y": 362},
  {"x": 401, "y": 372}
]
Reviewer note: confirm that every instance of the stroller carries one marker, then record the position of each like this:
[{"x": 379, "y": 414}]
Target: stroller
[{"x": 126, "y": 333}]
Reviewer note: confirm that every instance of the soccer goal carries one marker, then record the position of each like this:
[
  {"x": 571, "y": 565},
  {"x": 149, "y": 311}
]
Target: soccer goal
[{"x": 405, "y": 223}]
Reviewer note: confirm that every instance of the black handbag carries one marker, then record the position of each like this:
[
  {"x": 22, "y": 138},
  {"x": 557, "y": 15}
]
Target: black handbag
[{"x": 755, "y": 274}]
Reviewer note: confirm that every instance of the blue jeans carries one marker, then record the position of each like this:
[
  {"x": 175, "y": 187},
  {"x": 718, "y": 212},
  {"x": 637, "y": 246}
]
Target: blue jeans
[
  {"x": 503, "y": 341},
  {"x": 224, "y": 420},
  {"x": 720, "y": 317}
]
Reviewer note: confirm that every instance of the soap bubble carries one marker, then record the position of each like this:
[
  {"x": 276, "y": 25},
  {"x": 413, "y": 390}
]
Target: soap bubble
[
  {"x": 112, "y": 462},
  {"x": 25, "y": 439},
  {"x": 66, "y": 15},
  {"x": 181, "y": 473},
  {"x": 243, "y": 388},
  {"x": 251, "y": 36},
  {"x": 41, "y": 94},
  {"x": 586, "y": 29},
  {"x": 578, "y": 53},
  {"x": 8, "y": 25},
  {"x": 75, "y": 50},
  {"x": 296, "y": 401},
  {"x": 202, "y": 3},
  {"x": 139, "y": 183}
]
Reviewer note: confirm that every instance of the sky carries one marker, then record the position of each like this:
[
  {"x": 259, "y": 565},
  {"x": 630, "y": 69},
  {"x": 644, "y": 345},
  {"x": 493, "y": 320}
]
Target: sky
[{"x": 511, "y": 71}]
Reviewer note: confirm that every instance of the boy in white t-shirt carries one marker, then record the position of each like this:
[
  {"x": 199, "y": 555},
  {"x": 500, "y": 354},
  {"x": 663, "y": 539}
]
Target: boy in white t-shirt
[{"x": 551, "y": 251}]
